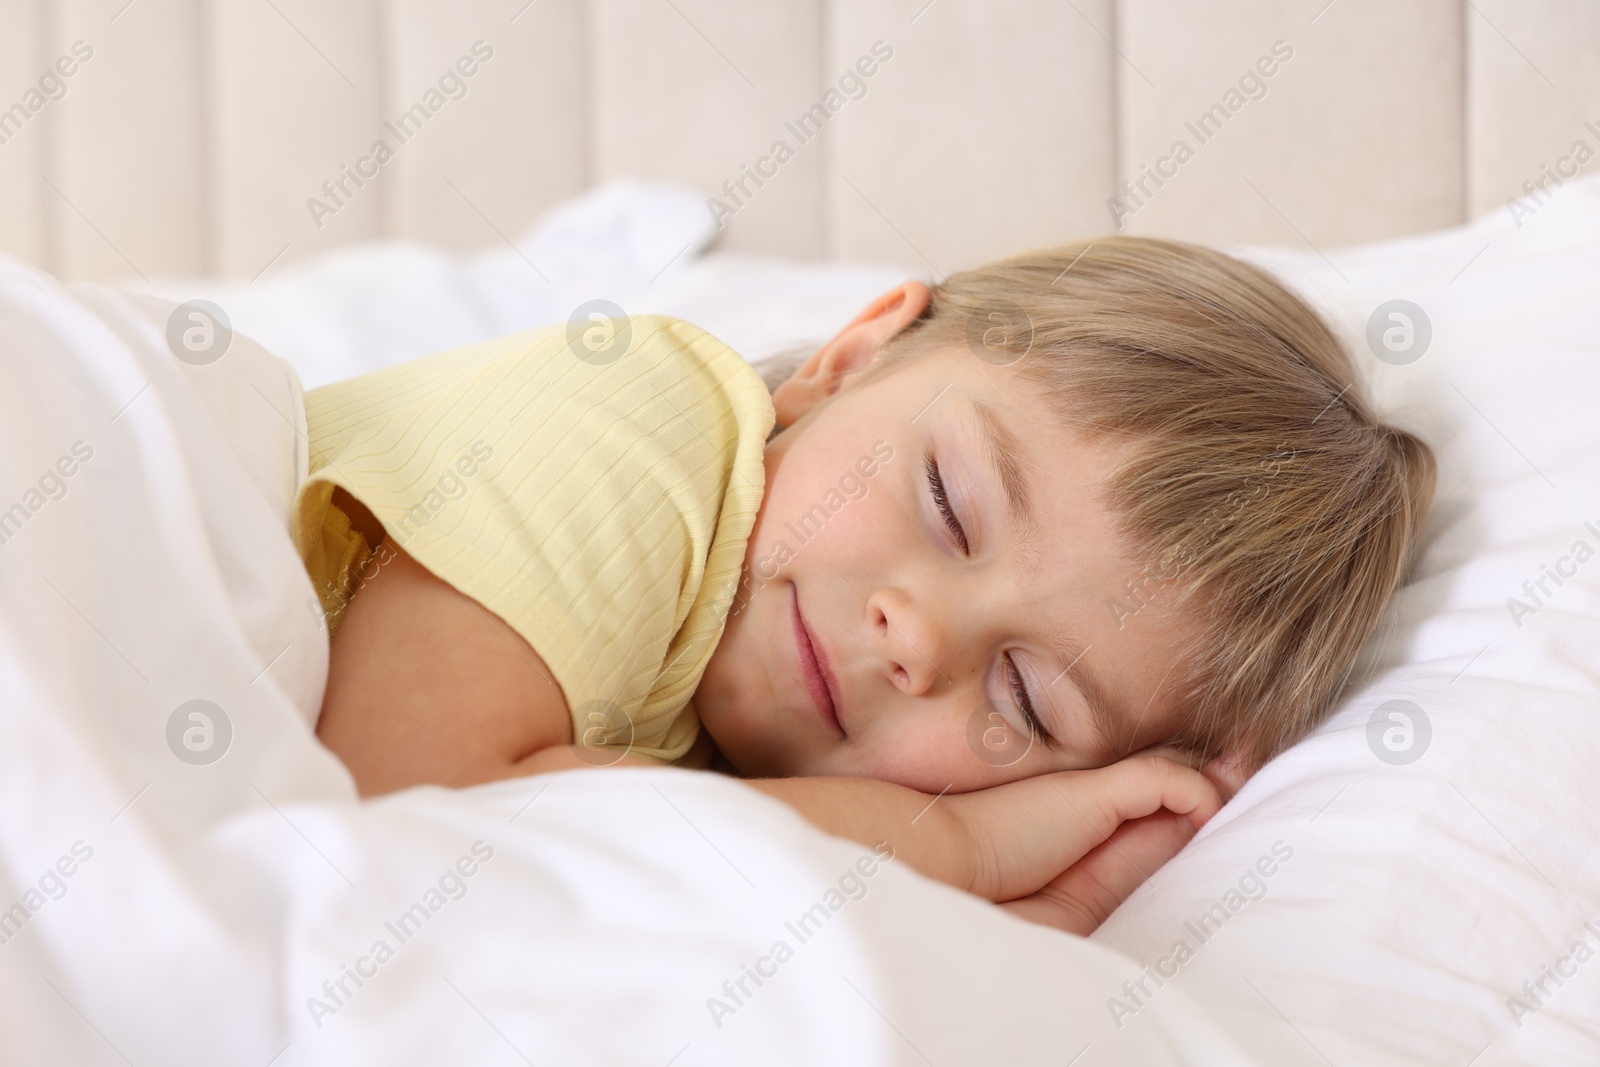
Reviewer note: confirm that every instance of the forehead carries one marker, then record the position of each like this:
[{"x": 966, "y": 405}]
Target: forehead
[{"x": 1042, "y": 465}]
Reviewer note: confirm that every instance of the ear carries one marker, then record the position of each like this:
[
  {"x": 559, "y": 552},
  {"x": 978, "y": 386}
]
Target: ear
[{"x": 851, "y": 351}]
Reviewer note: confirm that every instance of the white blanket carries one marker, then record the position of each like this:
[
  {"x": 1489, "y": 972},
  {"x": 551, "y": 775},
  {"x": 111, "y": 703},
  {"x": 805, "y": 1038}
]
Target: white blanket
[{"x": 189, "y": 877}]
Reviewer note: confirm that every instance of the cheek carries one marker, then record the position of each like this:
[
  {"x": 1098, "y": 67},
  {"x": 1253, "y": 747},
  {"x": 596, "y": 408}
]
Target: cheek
[
  {"x": 935, "y": 747},
  {"x": 808, "y": 505},
  {"x": 858, "y": 526},
  {"x": 928, "y": 749}
]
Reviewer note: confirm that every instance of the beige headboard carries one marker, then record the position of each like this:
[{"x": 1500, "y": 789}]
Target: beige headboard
[{"x": 198, "y": 135}]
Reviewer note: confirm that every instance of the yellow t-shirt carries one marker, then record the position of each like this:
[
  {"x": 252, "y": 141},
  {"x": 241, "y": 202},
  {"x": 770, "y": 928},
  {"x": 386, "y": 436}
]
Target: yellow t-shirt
[{"x": 600, "y": 505}]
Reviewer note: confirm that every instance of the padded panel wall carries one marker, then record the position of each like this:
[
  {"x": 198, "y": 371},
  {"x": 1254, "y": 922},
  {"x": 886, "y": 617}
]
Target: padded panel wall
[
  {"x": 1356, "y": 135},
  {"x": 696, "y": 90},
  {"x": 294, "y": 89},
  {"x": 128, "y": 169},
  {"x": 1533, "y": 92},
  {"x": 990, "y": 130},
  {"x": 195, "y": 137},
  {"x": 507, "y": 141},
  {"x": 23, "y": 134}
]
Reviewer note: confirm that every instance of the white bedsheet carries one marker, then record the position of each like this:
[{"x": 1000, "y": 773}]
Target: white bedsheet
[{"x": 170, "y": 907}]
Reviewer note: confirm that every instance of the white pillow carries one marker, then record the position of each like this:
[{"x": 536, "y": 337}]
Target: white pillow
[{"x": 1428, "y": 858}]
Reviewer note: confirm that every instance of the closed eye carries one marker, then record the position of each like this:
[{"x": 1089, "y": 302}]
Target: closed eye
[
  {"x": 1020, "y": 689},
  {"x": 942, "y": 500}
]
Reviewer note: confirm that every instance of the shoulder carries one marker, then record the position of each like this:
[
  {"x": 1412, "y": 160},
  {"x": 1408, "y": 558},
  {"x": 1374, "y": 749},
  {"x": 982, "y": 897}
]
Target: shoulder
[{"x": 689, "y": 366}]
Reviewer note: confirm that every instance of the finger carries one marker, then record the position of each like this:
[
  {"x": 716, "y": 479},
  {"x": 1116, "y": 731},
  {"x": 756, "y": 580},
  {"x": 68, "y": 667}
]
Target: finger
[
  {"x": 1133, "y": 788},
  {"x": 1171, "y": 752},
  {"x": 1227, "y": 772},
  {"x": 1138, "y": 849},
  {"x": 1033, "y": 829},
  {"x": 1063, "y": 913}
]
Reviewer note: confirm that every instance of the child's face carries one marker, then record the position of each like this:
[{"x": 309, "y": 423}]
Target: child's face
[{"x": 917, "y": 636}]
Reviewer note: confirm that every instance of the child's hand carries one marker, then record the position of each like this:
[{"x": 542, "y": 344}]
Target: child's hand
[
  {"x": 1228, "y": 772},
  {"x": 1062, "y": 847},
  {"x": 1084, "y": 895}
]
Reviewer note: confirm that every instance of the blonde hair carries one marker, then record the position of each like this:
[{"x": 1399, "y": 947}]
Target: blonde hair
[{"x": 1258, "y": 481}]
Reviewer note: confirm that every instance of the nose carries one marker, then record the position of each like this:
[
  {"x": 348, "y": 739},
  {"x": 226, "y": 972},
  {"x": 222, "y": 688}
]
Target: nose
[{"x": 913, "y": 641}]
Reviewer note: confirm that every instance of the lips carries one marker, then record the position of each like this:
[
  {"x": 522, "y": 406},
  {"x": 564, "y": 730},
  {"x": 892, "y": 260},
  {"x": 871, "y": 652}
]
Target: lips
[{"x": 814, "y": 670}]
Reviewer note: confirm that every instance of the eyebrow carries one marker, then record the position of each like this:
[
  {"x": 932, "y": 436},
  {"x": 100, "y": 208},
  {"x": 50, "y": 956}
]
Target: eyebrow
[{"x": 1005, "y": 454}]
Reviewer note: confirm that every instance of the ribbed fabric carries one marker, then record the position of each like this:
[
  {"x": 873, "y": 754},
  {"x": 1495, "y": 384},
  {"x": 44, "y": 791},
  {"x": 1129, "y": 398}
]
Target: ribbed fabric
[{"x": 602, "y": 511}]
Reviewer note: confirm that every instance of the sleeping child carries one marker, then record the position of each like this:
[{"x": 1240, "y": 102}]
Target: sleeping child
[{"x": 985, "y": 578}]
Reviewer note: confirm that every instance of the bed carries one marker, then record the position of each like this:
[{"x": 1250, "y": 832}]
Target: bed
[
  {"x": 186, "y": 875},
  {"x": 1413, "y": 884}
]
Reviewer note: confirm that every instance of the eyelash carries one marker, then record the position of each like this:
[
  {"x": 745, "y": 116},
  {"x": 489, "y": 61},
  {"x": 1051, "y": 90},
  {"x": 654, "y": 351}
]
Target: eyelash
[
  {"x": 1020, "y": 689},
  {"x": 941, "y": 500}
]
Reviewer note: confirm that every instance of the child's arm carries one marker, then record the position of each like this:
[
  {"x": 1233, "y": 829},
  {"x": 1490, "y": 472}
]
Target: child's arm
[
  {"x": 1041, "y": 843},
  {"x": 1049, "y": 848},
  {"x": 425, "y": 686}
]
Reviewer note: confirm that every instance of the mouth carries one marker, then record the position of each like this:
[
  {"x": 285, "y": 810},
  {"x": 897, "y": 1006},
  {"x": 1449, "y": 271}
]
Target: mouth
[{"x": 814, "y": 670}]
